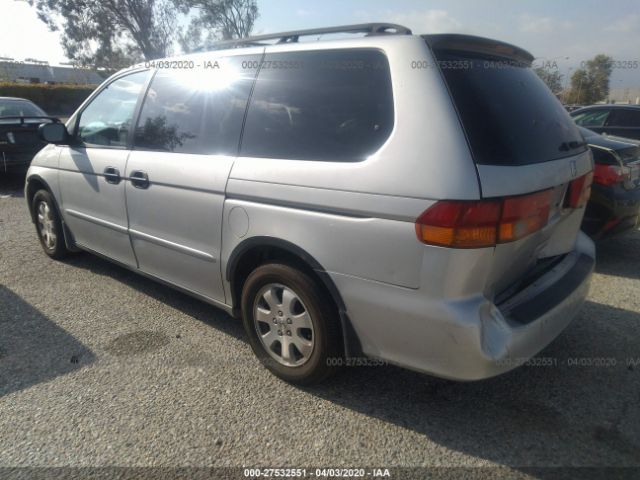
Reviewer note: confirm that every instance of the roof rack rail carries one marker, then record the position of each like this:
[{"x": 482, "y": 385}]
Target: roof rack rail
[{"x": 292, "y": 37}]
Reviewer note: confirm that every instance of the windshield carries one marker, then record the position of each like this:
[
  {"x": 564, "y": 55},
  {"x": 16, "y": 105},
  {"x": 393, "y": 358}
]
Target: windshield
[
  {"x": 508, "y": 113},
  {"x": 19, "y": 108}
]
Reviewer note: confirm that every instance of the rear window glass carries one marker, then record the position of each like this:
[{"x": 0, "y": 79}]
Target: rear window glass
[
  {"x": 508, "y": 113},
  {"x": 19, "y": 108},
  {"x": 330, "y": 105}
]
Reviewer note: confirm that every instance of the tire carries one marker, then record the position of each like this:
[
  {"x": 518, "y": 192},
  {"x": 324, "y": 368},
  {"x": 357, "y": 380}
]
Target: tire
[
  {"x": 291, "y": 311},
  {"x": 49, "y": 225}
]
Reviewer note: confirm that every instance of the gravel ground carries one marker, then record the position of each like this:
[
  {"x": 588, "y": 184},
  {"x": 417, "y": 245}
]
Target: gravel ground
[{"x": 101, "y": 367}]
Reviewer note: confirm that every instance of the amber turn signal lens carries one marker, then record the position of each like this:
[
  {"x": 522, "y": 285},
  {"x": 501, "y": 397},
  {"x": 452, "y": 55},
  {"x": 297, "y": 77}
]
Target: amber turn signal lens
[{"x": 459, "y": 224}]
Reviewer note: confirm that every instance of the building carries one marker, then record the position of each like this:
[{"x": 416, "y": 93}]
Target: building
[
  {"x": 41, "y": 72},
  {"x": 625, "y": 95}
]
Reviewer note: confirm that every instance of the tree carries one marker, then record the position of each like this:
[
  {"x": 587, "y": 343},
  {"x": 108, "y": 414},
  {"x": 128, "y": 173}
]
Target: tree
[
  {"x": 553, "y": 79},
  {"x": 112, "y": 33},
  {"x": 226, "y": 19},
  {"x": 590, "y": 84}
]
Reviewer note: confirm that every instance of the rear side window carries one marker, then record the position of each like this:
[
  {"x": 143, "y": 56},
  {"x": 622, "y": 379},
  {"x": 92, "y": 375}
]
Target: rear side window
[
  {"x": 593, "y": 118},
  {"x": 508, "y": 113},
  {"x": 624, "y": 117},
  {"x": 197, "y": 111},
  {"x": 333, "y": 105}
]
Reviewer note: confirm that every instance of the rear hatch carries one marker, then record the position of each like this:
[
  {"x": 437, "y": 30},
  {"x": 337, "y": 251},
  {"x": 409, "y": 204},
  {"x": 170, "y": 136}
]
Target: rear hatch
[{"x": 523, "y": 142}]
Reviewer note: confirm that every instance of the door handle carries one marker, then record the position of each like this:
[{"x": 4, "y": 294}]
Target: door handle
[
  {"x": 112, "y": 175},
  {"x": 139, "y": 179}
]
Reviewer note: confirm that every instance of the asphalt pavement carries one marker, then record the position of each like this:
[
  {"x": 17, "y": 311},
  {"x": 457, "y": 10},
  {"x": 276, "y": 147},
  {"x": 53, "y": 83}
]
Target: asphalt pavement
[{"x": 102, "y": 367}]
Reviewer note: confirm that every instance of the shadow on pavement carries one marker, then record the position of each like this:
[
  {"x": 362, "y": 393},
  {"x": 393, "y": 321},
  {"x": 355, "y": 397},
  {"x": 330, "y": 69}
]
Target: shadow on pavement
[
  {"x": 12, "y": 184},
  {"x": 32, "y": 348},
  {"x": 186, "y": 304},
  {"x": 619, "y": 256}
]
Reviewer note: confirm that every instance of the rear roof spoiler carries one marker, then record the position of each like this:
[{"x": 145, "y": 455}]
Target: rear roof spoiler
[{"x": 478, "y": 45}]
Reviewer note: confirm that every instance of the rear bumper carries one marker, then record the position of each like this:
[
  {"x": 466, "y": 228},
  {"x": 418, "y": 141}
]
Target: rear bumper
[{"x": 469, "y": 338}]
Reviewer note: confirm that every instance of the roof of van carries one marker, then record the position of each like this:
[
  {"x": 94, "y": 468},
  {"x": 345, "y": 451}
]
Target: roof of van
[{"x": 447, "y": 41}]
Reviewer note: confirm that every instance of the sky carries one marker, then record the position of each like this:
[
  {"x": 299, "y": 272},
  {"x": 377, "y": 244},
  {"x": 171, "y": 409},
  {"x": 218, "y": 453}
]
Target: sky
[{"x": 560, "y": 33}]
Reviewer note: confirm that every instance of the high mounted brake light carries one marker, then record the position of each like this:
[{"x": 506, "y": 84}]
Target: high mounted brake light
[{"x": 483, "y": 223}]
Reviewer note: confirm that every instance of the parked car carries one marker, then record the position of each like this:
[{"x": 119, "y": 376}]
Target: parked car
[
  {"x": 614, "y": 205},
  {"x": 19, "y": 141},
  {"x": 308, "y": 188},
  {"x": 620, "y": 120}
]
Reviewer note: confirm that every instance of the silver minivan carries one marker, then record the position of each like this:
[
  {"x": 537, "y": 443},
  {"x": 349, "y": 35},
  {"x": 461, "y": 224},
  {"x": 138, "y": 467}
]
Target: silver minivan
[{"x": 377, "y": 196}]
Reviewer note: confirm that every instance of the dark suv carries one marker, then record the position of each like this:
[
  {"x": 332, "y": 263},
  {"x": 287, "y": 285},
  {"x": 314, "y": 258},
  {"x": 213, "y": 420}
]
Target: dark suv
[{"x": 619, "y": 120}]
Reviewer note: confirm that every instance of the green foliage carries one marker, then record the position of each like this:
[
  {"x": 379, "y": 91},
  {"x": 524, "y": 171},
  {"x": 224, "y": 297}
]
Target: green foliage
[
  {"x": 553, "y": 78},
  {"x": 56, "y": 100},
  {"x": 591, "y": 83},
  {"x": 220, "y": 19},
  {"x": 112, "y": 33}
]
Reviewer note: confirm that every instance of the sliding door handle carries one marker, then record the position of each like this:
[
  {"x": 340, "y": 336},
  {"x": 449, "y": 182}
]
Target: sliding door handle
[
  {"x": 139, "y": 179},
  {"x": 112, "y": 175}
]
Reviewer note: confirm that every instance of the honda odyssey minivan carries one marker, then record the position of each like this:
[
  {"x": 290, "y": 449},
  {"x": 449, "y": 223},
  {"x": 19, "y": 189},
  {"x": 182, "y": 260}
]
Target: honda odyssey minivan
[{"x": 378, "y": 195}]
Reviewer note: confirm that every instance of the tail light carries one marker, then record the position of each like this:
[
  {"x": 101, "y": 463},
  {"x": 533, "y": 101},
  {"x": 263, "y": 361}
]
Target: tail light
[
  {"x": 483, "y": 223},
  {"x": 580, "y": 191},
  {"x": 611, "y": 174},
  {"x": 524, "y": 215},
  {"x": 460, "y": 224}
]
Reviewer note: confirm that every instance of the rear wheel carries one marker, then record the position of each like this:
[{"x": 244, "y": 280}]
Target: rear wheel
[
  {"x": 292, "y": 324},
  {"x": 49, "y": 225}
]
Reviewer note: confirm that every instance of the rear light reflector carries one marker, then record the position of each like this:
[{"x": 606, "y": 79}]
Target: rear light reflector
[
  {"x": 608, "y": 175},
  {"x": 580, "y": 190},
  {"x": 483, "y": 223}
]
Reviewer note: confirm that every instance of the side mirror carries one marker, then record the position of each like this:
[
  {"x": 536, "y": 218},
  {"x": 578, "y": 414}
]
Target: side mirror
[{"x": 53, "y": 133}]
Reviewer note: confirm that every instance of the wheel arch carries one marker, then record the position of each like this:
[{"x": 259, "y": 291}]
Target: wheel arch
[
  {"x": 34, "y": 183},
  {"x": 255, "y": 251}
]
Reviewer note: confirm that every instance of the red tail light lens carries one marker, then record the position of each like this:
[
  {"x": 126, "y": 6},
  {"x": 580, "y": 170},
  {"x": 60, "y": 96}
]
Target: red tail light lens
[
  {"x": 610, "y": 174},
  {"x": 484, "y": 223},
  {"x": 524, "y": 215},
  {"x": 459, "y": 224},
  {"x": 580, "y": 190}
]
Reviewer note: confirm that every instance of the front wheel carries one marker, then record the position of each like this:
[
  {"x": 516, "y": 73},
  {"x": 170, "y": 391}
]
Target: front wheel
[
  {"x": 49, "y": 225},
  {"x": 292, "y": 324}
]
